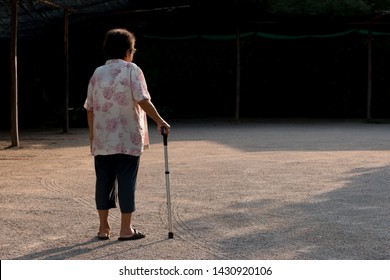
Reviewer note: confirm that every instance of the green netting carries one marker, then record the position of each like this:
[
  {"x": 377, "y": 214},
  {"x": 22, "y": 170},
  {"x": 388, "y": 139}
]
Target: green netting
[
  {"x": 226, "y": 37},
  {"x": 365, "y": 32},
  {"x": 269, "y": 36},
  {"x": 171, "y": 38},
  {"x": 273, "y": 36},
  {"x": 207, "y": 37}
]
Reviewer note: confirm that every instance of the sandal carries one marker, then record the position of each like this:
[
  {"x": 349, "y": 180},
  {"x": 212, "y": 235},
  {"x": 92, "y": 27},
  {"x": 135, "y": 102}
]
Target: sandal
[
  {"x": 135, "y": 236},
  {"x": 104, "y": 236}
]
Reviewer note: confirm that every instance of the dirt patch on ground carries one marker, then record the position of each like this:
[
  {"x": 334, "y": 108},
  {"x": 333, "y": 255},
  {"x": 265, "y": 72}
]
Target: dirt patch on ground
[{"x": 254, "y": 190}]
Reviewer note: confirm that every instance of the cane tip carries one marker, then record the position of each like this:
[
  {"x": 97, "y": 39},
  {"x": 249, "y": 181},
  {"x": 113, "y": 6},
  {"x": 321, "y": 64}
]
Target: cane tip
[{"x": 170, "y": 235}]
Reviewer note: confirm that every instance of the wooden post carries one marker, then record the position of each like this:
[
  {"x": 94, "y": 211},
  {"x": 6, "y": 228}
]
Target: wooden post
[
  {"x": 369, "y": 79},
  {"x": 14, "y": 74},
  {"x": 66, "y": 59},
  {"x": 238, "y": 78}
]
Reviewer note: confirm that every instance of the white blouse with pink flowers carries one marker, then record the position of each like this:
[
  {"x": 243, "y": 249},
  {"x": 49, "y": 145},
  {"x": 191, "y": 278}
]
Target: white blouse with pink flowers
[{"x": 120, "y": 125}]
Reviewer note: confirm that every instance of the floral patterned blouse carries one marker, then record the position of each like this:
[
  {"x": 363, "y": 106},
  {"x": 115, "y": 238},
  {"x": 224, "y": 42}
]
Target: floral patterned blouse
[{"x": 120, "y": 125}]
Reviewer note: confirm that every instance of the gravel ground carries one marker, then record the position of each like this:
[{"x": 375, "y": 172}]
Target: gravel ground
[{"x": 260, "y": 189}]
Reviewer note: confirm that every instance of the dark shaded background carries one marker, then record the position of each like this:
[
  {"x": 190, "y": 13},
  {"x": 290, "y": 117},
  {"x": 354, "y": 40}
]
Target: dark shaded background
[{"x": 196, "y": 77}]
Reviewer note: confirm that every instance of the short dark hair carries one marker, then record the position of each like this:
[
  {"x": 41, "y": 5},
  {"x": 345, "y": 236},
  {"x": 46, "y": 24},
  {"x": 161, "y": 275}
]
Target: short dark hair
[{"x": 117, "y": 42}]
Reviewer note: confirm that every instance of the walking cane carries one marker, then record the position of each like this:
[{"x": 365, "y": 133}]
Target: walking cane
[{"x": 165, "y": 137}]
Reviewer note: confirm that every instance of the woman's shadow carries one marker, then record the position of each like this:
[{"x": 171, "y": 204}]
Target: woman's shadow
[{"x": 76, "y": 251}]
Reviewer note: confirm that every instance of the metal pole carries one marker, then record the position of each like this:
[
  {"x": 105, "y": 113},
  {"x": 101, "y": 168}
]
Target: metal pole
[
  {"x": 14, "y": 75},
  {"x": 369, "y": 79},
  {"x": 238, "y": 77},
  {"x": 66, "y": 59}
]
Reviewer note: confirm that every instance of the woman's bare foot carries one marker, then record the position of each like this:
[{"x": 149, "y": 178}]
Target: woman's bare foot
[
  {"x": 131, "y": 234},
  {"x": 104, "y": 233}
]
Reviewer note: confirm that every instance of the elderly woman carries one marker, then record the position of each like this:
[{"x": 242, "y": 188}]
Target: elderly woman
[{"x": 116, "y": 104}]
